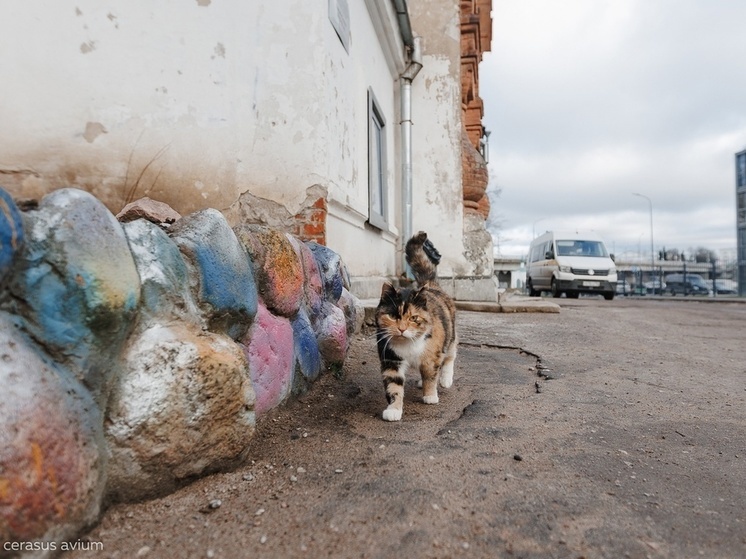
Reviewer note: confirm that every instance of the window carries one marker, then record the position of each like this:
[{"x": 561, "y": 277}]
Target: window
[
  {"x": 581, "y": 248},
  {"x": 741, "y": 169},
  {"x": 377, "y": 191}
]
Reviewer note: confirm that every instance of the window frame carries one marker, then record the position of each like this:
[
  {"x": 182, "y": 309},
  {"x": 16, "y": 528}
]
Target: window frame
[{"x": 377, "y": 165}]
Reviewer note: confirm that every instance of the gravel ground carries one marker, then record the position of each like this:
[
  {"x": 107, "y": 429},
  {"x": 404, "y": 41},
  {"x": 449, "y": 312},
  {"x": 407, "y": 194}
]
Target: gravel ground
[{"x": 612, "y": 429}]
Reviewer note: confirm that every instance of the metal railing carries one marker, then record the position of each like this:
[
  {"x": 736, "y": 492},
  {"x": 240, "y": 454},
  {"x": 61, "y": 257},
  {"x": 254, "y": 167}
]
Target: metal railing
[{"x": 719, "y": 278}]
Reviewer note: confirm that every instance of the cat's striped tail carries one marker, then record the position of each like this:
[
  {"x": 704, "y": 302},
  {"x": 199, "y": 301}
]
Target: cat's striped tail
[{"x": 423, "y": 258}]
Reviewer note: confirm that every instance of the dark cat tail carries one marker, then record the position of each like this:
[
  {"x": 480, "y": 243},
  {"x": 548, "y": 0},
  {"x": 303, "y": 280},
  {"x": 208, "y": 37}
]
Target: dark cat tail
[{"x": 423, "y": 258}]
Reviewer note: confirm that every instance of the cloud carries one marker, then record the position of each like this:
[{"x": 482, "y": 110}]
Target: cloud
[{"x": 589, "y": 101}]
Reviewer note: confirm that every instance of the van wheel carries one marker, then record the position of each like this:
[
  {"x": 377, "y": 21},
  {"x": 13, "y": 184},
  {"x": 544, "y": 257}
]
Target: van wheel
[
  {"x": 531, "y": 291},
  {"x": 609, "y": 296},
  {"x": 556, "y": 293}
]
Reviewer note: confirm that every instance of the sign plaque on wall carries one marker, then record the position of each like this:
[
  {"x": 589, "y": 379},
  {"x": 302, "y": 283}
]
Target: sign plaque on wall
[{"x": 339, "y": 15}]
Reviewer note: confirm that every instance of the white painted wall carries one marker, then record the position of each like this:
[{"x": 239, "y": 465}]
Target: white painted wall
[
  {"x": 194, "y": 102},
  {"x": 437, "y": 114}
]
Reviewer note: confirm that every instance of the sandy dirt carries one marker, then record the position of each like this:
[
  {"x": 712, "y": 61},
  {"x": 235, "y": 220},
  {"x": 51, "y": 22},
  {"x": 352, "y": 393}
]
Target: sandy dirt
[{"x": 612, "y": 429}]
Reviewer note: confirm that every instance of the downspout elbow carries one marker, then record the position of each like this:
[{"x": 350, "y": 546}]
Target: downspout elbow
[{"x": 415, "y": 60}]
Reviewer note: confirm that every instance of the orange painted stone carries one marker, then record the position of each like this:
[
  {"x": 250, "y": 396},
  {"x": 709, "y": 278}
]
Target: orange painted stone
[
  {"x": 52, "y": 458},
  {"x": 278, "y": 270}
]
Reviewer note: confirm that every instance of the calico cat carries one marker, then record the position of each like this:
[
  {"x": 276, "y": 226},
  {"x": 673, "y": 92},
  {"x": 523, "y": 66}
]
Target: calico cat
[{"x": 416, "y": 329}]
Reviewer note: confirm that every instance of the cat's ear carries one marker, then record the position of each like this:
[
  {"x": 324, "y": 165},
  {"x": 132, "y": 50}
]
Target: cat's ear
[{"x": 388, "y": 291}]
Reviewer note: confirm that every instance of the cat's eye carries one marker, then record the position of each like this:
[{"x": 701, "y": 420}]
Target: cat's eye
[{"x": 415, "y": 319}]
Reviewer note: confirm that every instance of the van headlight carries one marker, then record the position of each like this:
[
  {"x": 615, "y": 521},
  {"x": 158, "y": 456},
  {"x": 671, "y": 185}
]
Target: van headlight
[
  {"x": 612, "y": 271},
  {"x": 566, "y": 269}
]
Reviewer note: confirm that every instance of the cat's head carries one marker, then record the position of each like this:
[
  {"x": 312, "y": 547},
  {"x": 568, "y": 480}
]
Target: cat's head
[{"x": 402, "y": 313}]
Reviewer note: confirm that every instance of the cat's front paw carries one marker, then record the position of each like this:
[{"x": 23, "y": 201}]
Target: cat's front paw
[
  {"x": 433, "y": 399},
  {"x": 446, "y": 381},
  {"x": 392, "y": 414}
]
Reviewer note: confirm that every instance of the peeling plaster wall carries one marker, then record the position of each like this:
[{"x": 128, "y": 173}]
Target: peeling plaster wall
[
  {"x": 195, "y": 103},
  {"x": 437, "y": 188}
]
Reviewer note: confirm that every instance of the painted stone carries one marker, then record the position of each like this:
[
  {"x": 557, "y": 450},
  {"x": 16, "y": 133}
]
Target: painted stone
[
  {"x": 226, "y": 289},
  {"x": 163, "y": 273},
  {"x": 313, "y": 285},
  {"x": 152, "y": 210},
  {"x": 333, "y": 271},
  {"x": 331, "y": 334},
  {"x": 279, "y": 271},
  {"x": 353, "y": 310},
  {"x": 11, "y": 233},
  {"x": 307, "y": 357},
  {"x": 270, "y": 351},
  {"x": 184, "y": 406},
  {"x": 75, "y": 285},
  {"x": 52, "y": 451}
]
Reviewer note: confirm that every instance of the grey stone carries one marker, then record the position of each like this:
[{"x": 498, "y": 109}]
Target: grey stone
[{"x": 184, "y": 407}]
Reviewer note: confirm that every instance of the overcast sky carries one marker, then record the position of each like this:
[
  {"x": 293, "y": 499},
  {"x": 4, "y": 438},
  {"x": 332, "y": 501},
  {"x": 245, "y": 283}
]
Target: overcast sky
[{"x": 589, "y": 101}]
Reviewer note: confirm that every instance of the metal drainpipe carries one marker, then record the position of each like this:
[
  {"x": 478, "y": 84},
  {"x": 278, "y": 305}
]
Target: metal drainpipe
[{"x": 415, "y": 65}]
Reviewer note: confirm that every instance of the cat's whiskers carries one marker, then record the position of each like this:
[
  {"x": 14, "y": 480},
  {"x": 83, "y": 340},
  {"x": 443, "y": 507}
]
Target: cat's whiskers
[{"x": 387, "y": 337}]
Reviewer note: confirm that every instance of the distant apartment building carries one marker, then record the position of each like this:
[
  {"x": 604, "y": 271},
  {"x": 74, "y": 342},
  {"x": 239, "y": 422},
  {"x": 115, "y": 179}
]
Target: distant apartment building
[{"x": 741, "y": 219}]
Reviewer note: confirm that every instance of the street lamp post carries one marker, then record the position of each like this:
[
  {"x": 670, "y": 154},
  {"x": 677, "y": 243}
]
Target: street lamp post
[
  {"x": 533, "y": 227},
  {"x": 652, "y": 253}
]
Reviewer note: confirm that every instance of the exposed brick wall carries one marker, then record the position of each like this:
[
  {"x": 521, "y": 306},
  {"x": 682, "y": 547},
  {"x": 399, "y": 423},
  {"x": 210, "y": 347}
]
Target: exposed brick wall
[
  {"x": 310, "y": 223},
  {"x": 476, "y": 38},
  {"x": 474, "y": 178}
]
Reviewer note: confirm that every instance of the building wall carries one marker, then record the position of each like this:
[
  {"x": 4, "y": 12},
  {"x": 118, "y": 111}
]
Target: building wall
[
  {"x": 436, "y": 133},
  {"x": 254, "y": 108},
  {"x": 741, "y": 220},
  {"x": 201, "y": 103}
]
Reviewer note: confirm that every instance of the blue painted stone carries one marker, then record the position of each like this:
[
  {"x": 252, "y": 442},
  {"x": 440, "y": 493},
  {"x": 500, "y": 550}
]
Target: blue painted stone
[
  {"x": 164, "y": 274},
  {"x": 226, "y": 290},
  {"x": 333, "y": 271},
  {"x": 308, "y": 359},
  {"x": 75, "y": 287},
  {"x": 11, "y": 233}
]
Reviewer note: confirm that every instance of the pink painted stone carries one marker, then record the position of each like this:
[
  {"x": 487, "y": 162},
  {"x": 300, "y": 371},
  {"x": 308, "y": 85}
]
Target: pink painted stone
[{"x": 269, "y": 348}]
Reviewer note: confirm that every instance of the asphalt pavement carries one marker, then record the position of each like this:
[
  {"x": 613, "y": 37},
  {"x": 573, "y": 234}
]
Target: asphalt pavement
[{"x": 608, "y": 429}]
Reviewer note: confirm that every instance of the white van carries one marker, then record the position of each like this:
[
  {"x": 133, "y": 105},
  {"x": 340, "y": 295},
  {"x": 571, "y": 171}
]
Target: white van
[{"x": 570, "y": 263}]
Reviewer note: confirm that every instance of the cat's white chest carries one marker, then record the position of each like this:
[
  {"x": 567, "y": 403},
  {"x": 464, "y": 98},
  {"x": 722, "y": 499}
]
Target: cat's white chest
[{"x": 410, "y": 350}]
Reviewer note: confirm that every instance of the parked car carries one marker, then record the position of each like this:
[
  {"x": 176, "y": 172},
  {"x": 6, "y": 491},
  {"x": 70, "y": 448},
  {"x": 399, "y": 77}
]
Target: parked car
[
  {"x": 656, "y": 287},
  {"x": 687, "y": 284},
  {"x": 726, "y": 287},
  {"x": 623, "y": 287}
]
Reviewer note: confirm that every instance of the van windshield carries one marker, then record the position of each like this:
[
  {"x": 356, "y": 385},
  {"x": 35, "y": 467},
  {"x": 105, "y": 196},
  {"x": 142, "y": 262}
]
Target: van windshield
[{"x": 594, "y": 249}]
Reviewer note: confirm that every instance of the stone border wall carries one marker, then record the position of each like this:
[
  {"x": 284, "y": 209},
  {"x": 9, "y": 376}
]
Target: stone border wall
[{"x": 137, "y": 355}]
